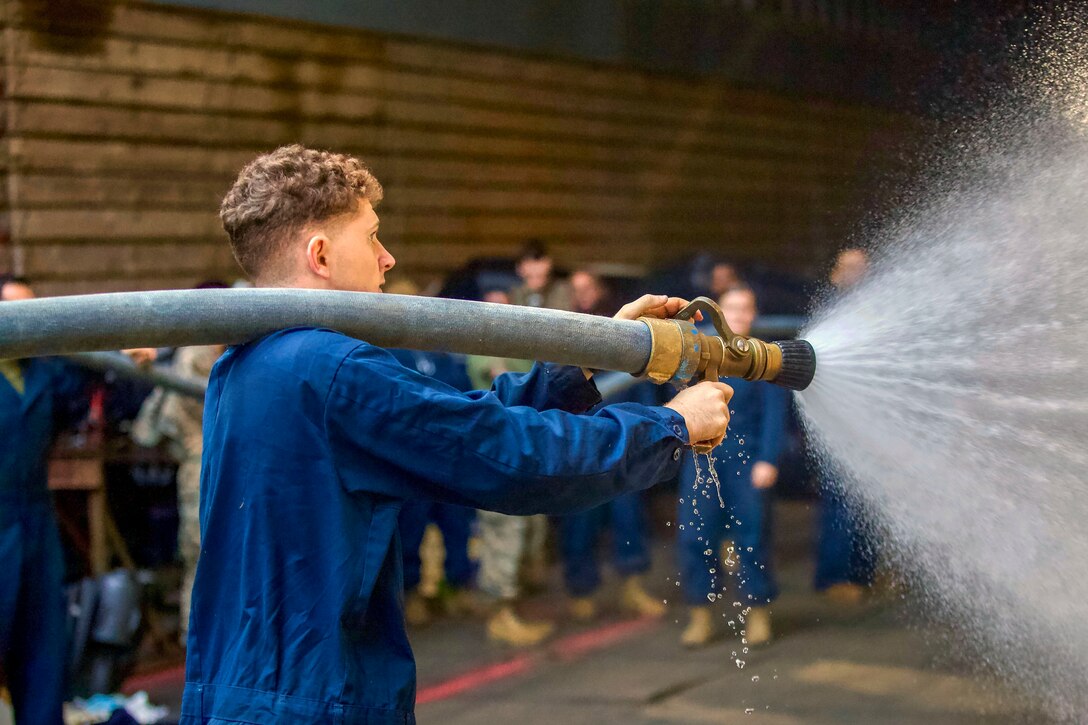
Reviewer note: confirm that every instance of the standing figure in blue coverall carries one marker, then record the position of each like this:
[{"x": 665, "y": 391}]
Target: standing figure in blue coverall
[
  {"x": 313, "y": 441},
  {"x": 630, "y": 546},
  {"x": 455, "y": 522},
  {"x": 33, "y": 640},
  {"x": 845, "y": 557},
  {"x": 747, "y": 466},
  {"x": 38, "y": 397},
  {"x": 578, "y": 532}
]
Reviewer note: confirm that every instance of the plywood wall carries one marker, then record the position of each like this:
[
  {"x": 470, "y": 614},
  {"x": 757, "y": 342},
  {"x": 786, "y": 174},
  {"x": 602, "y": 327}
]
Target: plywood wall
[{"x": 125, "y": 126}]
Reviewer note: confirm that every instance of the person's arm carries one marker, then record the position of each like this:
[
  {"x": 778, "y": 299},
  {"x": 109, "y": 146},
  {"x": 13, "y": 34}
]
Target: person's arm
[
  {"x": 775, "y": 406},
  {"x": 430, "y": 440},
  {"x": 547, "y": 387},
  {"x": 552, "y": 386}
]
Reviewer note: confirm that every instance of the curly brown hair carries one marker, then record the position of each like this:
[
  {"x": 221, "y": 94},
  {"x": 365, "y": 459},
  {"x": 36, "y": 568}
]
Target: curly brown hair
[{"x": 281, "y": 194}]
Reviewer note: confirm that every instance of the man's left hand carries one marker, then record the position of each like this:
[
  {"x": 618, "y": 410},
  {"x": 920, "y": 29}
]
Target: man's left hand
[
  {"x": 661, "y": 306},
  {"x": 764, "y": 475}
]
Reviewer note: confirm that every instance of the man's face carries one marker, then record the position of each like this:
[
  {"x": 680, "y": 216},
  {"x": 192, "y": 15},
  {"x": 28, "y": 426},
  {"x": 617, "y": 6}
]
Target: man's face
[
  {"x": 585, "y": 290},
  {"x": 16, "y": 291},
  {"x": 739, "y": 311},
  {"x": 535, "y": 273},
  {"x": 850, "y": 266},
  {"x": 722, "y": 277},
  {"x": 357, "y": 261}
]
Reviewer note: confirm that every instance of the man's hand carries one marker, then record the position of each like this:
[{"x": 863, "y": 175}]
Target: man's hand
[
  {"x": 705, "y": 408},
  {"x": 142, "y": 356},
  {"x": 764, "y": 475},
  {"x": 661, "y": 306}
]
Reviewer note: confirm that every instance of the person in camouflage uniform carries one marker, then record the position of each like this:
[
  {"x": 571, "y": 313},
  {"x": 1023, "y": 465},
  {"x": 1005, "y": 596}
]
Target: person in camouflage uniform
[
  {"x": 505, "y": 541},
  {"x": 179, "y": 419}
]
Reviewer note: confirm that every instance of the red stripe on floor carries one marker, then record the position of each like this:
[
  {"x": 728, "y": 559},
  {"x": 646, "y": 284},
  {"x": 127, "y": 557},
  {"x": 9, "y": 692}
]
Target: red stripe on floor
[
  {"x": 567, "y": 648},
  {"x": 153, "y": 680},
  {"x": 576, "y": 645},
  {"x": 477, "y": 678}
]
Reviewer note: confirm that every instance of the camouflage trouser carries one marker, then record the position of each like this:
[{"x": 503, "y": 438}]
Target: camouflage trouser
[
  {"x": 505, "y": 543},
  {"x": 188, "y": 531}
]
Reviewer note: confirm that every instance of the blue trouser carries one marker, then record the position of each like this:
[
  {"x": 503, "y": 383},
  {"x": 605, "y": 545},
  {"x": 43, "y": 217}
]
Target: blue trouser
[
  {"x": 845, "y": 553},
  {"x": 578, "y": 540},
  {"x": 745, "y": 520},
  {"x": 33, "y": 635},
  {"x": 455, "y": 523}
]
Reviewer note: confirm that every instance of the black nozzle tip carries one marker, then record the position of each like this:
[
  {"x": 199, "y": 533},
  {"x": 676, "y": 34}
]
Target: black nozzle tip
[{"x": 798, "y": 364}]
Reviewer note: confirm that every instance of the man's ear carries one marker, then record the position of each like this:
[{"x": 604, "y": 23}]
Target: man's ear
[{"x": 317, "y": 250}]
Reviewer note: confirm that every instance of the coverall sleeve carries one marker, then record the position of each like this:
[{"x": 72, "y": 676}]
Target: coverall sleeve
[
  {"x": 546, "y": 387},
  {"x": 776, "y": 403},
  {"x": 395, "y": 432}
]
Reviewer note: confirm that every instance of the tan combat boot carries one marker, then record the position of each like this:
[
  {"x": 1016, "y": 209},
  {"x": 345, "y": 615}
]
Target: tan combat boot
[
  {"x": 582, "y": 609},
  {"x": 417, "y": 612},
  {"x": 757, "y": 626},
  {"x": 505, "y": 626},
  {"x": 637, "y": 600},
  {"x": 700, "y": 630},
  {"x": 845, "y": 593}
]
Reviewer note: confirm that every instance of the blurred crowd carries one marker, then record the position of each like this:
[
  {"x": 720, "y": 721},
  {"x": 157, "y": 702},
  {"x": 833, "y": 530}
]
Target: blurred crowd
[
  {"x": 457, "y": 562},
  {"x": 461, "y": 562}
]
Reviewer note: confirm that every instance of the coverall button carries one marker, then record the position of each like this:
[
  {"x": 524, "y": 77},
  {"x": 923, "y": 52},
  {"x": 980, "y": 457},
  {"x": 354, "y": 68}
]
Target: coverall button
[{"x": 676, "y": 455}]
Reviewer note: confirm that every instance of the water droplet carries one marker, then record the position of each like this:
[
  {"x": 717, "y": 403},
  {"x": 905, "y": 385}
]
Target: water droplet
[
  {"x": 710, "y": 596},
  {"x": 755, "y": 678}
]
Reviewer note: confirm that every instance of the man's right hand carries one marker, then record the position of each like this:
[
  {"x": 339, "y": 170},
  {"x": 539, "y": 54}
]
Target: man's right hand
[{"x": 705, "y": 409}]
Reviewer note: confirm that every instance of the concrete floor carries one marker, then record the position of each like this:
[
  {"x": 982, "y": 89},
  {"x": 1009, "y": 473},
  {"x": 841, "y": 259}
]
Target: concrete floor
[{"x": 827, "y": 665}]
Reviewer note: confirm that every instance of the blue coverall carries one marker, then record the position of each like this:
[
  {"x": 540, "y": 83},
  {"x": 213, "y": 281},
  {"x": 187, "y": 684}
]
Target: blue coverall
[
  {"x": 578, "y": 532},
  {"x": 33, "y": 638},
  {"x": 312, "y": 442},
  {"x": 845, "y": 552},
  {"x": 757, "y": 429},
  {"x": 455, "y": 522}
]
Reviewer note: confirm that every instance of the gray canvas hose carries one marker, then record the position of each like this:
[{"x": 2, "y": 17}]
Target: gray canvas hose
[{"x": 176, "y": 318}]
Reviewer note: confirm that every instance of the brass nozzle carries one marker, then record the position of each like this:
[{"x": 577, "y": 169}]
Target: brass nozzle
[{"x": 681, "y": 353}]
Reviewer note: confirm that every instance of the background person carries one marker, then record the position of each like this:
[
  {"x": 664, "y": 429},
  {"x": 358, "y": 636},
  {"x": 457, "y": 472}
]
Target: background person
[
  {"x": 625, "y": 515},
  {"x": 38, "y": 398},
  {"x": 845, "y": 558},
  {"x": 504, "y": 539},
  {"x": 747, "y": 467}
]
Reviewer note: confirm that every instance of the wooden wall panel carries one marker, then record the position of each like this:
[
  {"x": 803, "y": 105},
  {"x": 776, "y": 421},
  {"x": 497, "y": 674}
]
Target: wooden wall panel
[{"x": 120, "y": 140}]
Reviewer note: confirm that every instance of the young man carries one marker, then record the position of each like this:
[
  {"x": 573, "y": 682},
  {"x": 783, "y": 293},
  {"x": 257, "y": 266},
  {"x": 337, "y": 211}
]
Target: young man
[
  {"x": 747, "y": 467},
  {"x": 845, "y": 559},
  {"x": 314, "y": 440}
]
